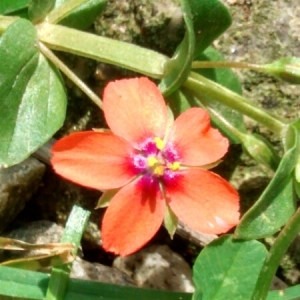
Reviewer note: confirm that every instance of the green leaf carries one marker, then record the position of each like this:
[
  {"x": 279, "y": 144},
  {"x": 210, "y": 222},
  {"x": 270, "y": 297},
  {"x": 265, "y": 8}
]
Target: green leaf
[
  {"x": 204, "y": 20},
  {"x": 228, "y": 269},
  {"x": 106, "y": 197},
  {"x": 210, "y": 18},
  {"x": 178, "y": 67},
  {"x": 85, "y": 15},
  {"x": 32, "y": 95},
  {"x": 180, "y": 101},
  {"x": 64, "y": 8},
  {"x": 33, "y": 285},
  {"x": 9, "y": 6},
  {"x": 103, "y": 49},
  {"x": 291, "y": 293},
  {"x": 38, "y": 9},
  {"x": 170, "y": 221},
  {"x": 277, "y": 203}
]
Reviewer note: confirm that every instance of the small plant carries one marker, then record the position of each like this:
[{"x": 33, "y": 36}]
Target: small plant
[{"x": 147, "y": 157}]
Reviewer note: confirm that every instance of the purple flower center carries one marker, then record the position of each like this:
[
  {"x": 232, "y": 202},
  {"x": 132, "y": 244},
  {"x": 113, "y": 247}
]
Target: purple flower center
[{"x": 156, "y": 159}]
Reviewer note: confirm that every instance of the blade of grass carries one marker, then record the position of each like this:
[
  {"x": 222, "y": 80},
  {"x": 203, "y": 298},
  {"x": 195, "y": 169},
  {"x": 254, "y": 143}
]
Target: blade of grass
[
  {"x": 33, "y": 285},
  {"x": 60, "y": 275}
]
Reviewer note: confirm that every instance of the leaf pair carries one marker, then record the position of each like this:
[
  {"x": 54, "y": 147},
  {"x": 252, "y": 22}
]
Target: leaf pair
[
  {"x": 32, "y": 93},
  {"x": 204, "y": 21}
]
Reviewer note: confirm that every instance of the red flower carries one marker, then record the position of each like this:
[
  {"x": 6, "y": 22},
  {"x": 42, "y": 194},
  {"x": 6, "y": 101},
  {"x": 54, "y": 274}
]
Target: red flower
[{"x": 154, "y": 165}]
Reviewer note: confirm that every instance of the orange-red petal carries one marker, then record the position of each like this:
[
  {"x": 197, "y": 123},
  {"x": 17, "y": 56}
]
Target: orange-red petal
[
  {"x": 135, "y": 109},
  {"x": 203, "y": 201},
  {"x": 94, "y": 159},
  {"x": 133, "y": 217},
  {"x": 195, "y": 140}
]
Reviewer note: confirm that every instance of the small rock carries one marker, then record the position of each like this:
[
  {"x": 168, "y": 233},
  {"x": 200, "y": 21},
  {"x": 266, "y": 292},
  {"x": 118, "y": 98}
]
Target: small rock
[
  {"x": 38, "y": 232},
  {"x": 157, "y": 267},
  {"x": 17, "y": 184},
  {"x": 278, "y": 284},
  {"x": 93, "y": 271}
]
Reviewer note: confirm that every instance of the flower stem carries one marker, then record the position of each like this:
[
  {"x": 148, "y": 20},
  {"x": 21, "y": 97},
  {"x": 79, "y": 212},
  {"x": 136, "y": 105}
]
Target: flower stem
[
  {"x": 201, "y": 85},
  {"x": 70, "y": 74},
  {"x": 227, "y": 64},
  {"x": 280, "y": 246},
  {"x": 63, "y": 10}
]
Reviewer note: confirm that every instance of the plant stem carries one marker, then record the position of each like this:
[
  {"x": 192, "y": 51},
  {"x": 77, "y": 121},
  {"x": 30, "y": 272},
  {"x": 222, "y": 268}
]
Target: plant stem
[
  {"x": 203, "y": 86},
  {"x": 63, "y": 10},
  {"x": 226, "y": 64},
  {"x": 280, "y": 246},
  {"x": 70, "y": 74}
]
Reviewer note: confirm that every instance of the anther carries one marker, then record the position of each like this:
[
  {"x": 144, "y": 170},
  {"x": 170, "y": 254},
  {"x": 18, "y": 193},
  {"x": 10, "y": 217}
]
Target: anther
[
  {"x": 159, "y": 143},
  {"x": 174, "y": 166}
]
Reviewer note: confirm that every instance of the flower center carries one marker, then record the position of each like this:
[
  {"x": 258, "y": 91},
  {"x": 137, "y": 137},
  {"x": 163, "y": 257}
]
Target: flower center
[{"x": 157, "y": 158}]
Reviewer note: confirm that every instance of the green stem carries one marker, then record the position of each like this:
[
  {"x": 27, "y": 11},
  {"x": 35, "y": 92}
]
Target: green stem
[
  {"x": 103, "y": 49},
  {"x": 75, "y": 227},
  {"x": 203, "y": 86},
  {"x": 226, "y": 64},
  {"x": 70, "y": 74},
  {"x": 63, "y": 10},
  {"x": 279, "y": 248}
]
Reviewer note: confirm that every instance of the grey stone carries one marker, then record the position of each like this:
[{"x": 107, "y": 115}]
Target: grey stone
[
  {"x": 17, "y": 185},
  {"x": 157, "y": 267},
  {"x": 152, "y": 24},
  {"x": 93, "y": 271}
]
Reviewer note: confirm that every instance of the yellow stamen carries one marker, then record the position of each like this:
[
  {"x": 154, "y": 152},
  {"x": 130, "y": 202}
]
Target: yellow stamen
[
  {"x": 159, "y": 143},
  {"x": 174, "y": 166},
  {"x": 152, "y": 161}
]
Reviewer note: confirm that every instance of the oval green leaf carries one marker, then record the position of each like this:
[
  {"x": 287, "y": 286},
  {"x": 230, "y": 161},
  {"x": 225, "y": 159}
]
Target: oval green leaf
[
  {"x": 32, "y": 96},
  {"x": 10, "y": 7},
  {"x": 290, "y": 293},
  {"x": 38, "y": 9},
  {"x": 210, "y": 18},
  {"x": 178, "y": 67},
  {"x": 277, "y": 203},
  {"x": 204, "y": 21},
  {"x": 85, "y": 15},
  {"x": 228, "y": 269}
]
